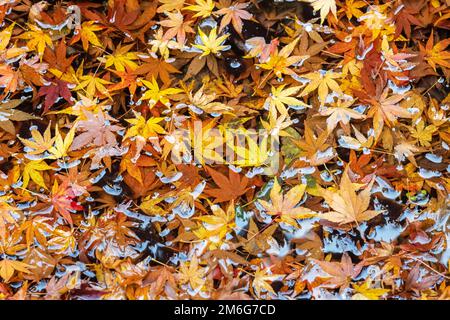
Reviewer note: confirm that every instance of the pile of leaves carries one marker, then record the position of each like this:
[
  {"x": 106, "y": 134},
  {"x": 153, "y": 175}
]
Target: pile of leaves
[{"x": 95, "y": 204}]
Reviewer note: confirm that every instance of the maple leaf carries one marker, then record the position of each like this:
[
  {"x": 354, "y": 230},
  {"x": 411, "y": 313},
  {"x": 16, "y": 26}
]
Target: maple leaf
[
  {"x": 55, "y": 90},
  {"x": 257, "y": 240},
  {"x": 324, "y": 6},
  {"x": 60, "y": 65},
  {"x": 57, "y": 287},
  {"x": 323, "y": 81},
  {"x": 62, "y": 200},
  {"x": 144, "y": 128},
  {"x": 348, "y": 206},
  {"x": 435, "y": 54},
  {"x": 203, "y": 8},
  {"x": 234, "y": 14},
  {"x": 340, "y": 113},
  {"x": 5, "y": 214},
  {"x": 386, "y": 109},
  {"x": 396, "y": 60},
  {"x": 191, "y": 273},
  {"x": 259, "y": 48},
  {"x": 91, "y": 84},
  {"x": 177, "y": 27},
  {"x": 203, "y": 102},
  {"x": 121, "y": 58},
  {"x": 98, "y": 131},
  {"x": 78, "y": 180},
  {"x": 37, "y": 39},
  {"x": 215, "y": 227},
  {"x": 128, "y": 80},
  {"x": 341, "y": 273},
  {"x": 87, "y": 35},
  {"x": 358, "y": 142},
  {"x": 155, "y": 94},
  {"x": 230, "y": 188},
  {"x": 248, "y": 149},
  {"x": 150, "y": 206},
  {"x": 316, "y": 149},
  {"x": 352, "y": 8},
  {"x": 10, "y": 79},
  {"x": 280, "y": 97},
  {"x": 211, "y": 43},
  {"x": 8, "y": 113},
  {"x": 159, "y": 44},
  {"x": 38, "y": 143},
  {"x": 406, "y": 15},
  {"x": 61, "y": 147},
  {"x": 423, "y": 133},
  {"x": 156, "y": 68},
  {"x": 367, "y": 292},
  {"x": 8, "y": 267},
  {"x": 276, "y": 126},
  {"x": 285, "y": 206},
  {"x": 5, "y": 36},
  {"x": 31, "y": 71},
  {"x": 170, "y": 5},
  {"x": 132, "y": 165},
  {"x": 260, "y": 281},
  {"x": 36, "y": 229},
  {"x": 31, "y": 171},
  {"x": 280, "y": 61},
  {"x": 405, "y": 149},
  {"x": 416, "y": 281}
]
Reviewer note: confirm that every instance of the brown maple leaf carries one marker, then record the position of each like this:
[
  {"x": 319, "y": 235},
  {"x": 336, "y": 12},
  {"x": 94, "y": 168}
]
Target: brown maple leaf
[
  {"x": 341, "y": 273},
  {"x": 230, "y": 188},
  {"x": 156, "y": 68}
]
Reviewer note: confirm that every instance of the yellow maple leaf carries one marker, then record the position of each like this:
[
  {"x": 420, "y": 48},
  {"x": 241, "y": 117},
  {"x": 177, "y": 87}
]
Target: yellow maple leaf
[
  {"x": 211, "y": 43},
  {"x": 155, "y": 94},
  {"x": 216, "y": 226},
  {"x": 436, "y": 54},
  {"x": 352, "y": 8},
  {"x": 367, "y": 292},
  {"x": 59, "y": 150},
  {"x": 423, "y": 133},
  {"x": 32, "y": 171},
  {"x": 261, "y": 281},
  {"x": 170, "y": 5},
  {"x": 144, "y": 128},
  {"x": 38, "y": 143},
  {"x": 280, "y": 97},
  {"x": 8, "y": 267},
  {"x": 87, "y": 34},
  {"x": 121, "y": 58},
  {"x": 324, "y": 6},
  {"x": 190, "y": 272},
  {"x": 203, "y": 8},
  {"x": 91, "y": 84},
  {"x": 37, "y": 39},
  {"x": 347, "y": 205},
  {"x": 280, "y": 61},
  {"x": 323, "y": 81}
]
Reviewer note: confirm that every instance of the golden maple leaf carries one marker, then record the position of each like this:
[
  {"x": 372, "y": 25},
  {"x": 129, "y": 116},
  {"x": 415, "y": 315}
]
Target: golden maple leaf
[{"x": 348, "y": 206}]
